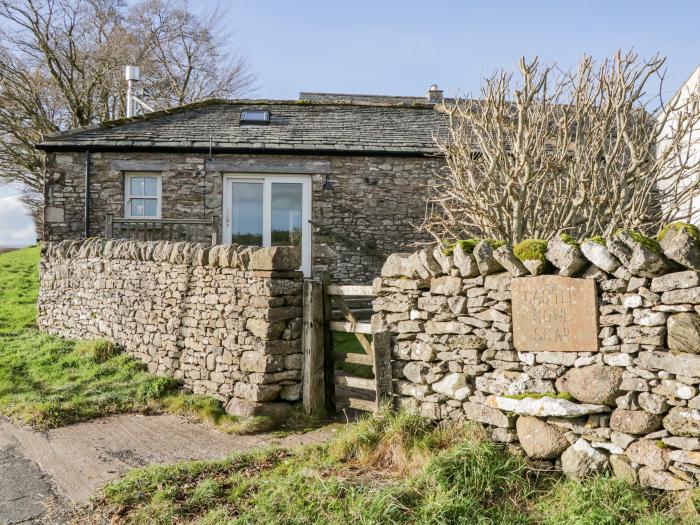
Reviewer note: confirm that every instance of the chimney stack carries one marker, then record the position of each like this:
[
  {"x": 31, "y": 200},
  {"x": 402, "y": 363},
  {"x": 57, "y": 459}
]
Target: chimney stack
[
  {"x": 434, "y": 94},
  {"x": 133, "y": 75}
]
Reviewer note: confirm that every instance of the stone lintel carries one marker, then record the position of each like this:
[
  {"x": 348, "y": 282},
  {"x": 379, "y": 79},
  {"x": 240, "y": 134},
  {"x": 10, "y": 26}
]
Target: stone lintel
[{"x": 270, "y": 165}]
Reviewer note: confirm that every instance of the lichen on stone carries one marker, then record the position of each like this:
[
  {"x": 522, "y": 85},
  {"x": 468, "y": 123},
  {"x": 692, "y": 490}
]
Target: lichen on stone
[
  {"x": 531, "y": 250},
  {"x": 540, "y": 395},
  {"x": 691, "y": 229}
]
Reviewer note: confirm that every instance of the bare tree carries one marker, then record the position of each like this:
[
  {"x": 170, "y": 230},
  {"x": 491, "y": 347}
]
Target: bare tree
[
  {"x": 62, "y": 64},
  {"x": 184, "y": 56},
  {"x": 585, "y": 151}
]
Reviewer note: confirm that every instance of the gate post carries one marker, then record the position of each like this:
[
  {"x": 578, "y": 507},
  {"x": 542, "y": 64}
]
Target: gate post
[
  {"x": 328, "y": 360},
  {"x": 312, "y": 340},
  {"x": 381, "y": 344}
]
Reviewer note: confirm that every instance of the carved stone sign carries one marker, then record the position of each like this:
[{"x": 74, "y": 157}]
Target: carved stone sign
[{"x": 554, "y": 314}]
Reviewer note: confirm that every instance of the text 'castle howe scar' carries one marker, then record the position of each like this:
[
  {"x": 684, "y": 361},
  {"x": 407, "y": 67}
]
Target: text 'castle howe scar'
[{"x": 554, "y": 314}]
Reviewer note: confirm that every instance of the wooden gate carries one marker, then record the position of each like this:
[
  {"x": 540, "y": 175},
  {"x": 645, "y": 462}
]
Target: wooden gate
[{"x": 337, "y": 379}]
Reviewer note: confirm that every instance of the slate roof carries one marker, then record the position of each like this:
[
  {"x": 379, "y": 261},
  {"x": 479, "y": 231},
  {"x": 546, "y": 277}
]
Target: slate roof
[{"x": 316, "y": 126}]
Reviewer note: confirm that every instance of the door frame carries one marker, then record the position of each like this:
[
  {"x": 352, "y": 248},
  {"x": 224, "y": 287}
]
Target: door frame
[{"x": 267, "y": 179}]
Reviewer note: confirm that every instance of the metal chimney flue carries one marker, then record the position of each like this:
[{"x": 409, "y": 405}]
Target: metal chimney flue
[{"x": 132, "y": 74}]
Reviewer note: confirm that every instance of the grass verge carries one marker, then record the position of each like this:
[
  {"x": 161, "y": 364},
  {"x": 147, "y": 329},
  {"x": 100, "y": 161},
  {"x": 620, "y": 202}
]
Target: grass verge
[
  {"x": 47, "y": 381},
  {"x": 391, "y": 469}
]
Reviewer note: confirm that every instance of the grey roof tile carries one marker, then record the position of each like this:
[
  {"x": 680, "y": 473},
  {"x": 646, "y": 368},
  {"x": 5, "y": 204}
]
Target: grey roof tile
[{"x": 294, "y": 125}]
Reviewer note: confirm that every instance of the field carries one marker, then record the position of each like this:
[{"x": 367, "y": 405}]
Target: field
[{"x": 46, "y": 381}]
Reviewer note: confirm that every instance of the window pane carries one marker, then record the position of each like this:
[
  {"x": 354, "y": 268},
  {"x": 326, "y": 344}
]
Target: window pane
[
  {"x": 137, "y": 207},
  {"x": 151, "y": 207},
  {"x": 286, "y": 214},
  {"x": 150, "y": 186},
  {"x": 247, "y": 213},
  {"x": 136, "y": 186}
]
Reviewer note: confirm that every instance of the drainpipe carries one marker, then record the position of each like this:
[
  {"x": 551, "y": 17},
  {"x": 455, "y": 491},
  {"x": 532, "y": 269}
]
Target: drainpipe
[{"x": 86, "y": 219}]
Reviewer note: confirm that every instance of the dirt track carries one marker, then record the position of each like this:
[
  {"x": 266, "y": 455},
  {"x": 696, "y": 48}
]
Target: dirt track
[{"x": 67, "y": 465}]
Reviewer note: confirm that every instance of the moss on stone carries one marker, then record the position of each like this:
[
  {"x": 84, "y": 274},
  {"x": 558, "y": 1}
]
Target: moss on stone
[
  {"x": 540, "y": 395},
  {"x": 649, "y": 243},
  {"x": 568, "y": 239},
  {"x": 596, "y": 239},
  {"x": 468, "y": 245},
  {"x": 691, "y": 229},
  {"x": 531, "y": 250},
  {"x": 494, "y": 243}
]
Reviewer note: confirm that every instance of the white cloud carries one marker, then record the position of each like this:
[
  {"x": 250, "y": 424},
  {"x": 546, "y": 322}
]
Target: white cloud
[{"x": 16, "y": 227}]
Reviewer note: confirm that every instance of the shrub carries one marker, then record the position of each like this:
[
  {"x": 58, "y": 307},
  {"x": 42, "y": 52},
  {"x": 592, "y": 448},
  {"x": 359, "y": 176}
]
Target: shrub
[{"x": 531, "y": 250}]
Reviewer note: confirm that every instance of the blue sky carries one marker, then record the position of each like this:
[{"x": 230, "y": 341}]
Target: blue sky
[{"x": 401, "y": 47}]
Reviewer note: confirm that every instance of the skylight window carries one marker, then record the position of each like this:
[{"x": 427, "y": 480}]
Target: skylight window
[{"x": 255, "y": 116}]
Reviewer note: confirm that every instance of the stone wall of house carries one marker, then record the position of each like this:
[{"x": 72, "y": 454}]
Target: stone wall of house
[
  {"x": 633, "y": 406},
  {"x": 224, "y": 320},
  {"x": 364, "y": 207}
]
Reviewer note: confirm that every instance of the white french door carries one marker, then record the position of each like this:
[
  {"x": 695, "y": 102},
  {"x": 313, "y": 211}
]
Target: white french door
[{"x": 269, "y": 210}]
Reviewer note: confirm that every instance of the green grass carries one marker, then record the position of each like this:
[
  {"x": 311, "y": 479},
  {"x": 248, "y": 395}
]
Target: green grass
[
  {"x": 47, "y": 381},
  {"x": 348, "y": 343},
  {"x": 19, "y": 274},
  {"x": 392, "y": 469}
]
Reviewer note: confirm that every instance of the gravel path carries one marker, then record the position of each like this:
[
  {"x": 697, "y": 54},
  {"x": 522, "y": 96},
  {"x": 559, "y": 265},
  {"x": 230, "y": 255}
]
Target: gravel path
[{"x": 43, "y": 473}]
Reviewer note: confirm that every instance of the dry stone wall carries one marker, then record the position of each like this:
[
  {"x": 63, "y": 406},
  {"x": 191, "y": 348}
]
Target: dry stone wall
[
  {"x": 632, "y": 406},
  {"x": 226, "y": 320}
]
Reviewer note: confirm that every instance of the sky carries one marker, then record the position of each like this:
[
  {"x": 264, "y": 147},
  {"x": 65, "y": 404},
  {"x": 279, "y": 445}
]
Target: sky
[{"x": 400, "y": 47}]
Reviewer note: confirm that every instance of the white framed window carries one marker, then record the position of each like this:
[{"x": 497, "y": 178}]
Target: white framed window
[
  {"x": 269, "y": 210},
  {"x": 142, "y": 195}
]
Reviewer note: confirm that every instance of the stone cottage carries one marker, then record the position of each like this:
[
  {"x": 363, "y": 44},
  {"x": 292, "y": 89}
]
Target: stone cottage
[{"x": 343, "y": 176}]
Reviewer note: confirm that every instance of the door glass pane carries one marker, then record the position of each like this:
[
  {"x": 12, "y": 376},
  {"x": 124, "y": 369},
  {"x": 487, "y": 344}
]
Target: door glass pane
[
  {"x": 150, "y": 186},
  {"x": 286, "y": 213},
  {"x": 247, "y": 213}
]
